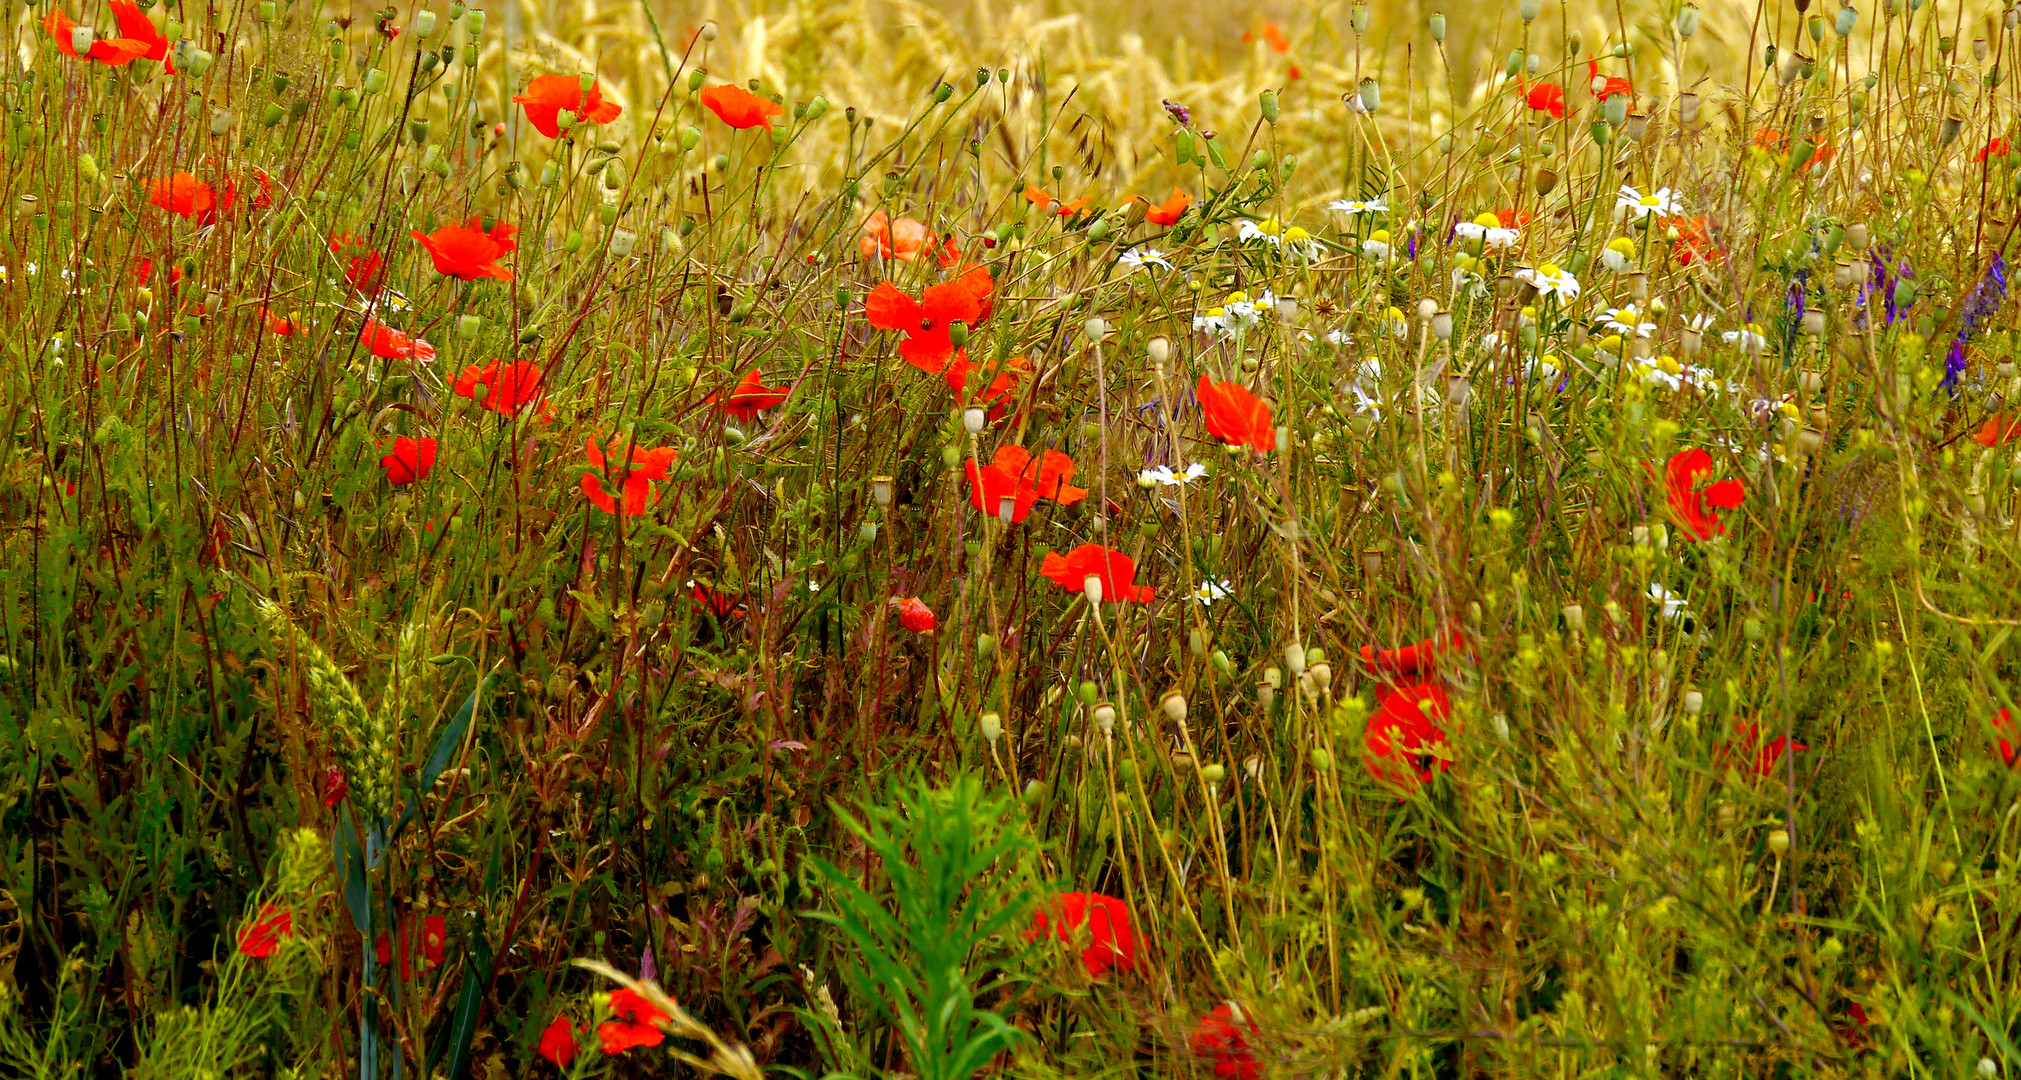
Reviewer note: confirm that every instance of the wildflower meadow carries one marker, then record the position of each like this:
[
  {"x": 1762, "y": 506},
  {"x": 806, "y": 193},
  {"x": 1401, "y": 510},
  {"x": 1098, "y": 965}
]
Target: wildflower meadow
[{"x": 880, "y": 540}]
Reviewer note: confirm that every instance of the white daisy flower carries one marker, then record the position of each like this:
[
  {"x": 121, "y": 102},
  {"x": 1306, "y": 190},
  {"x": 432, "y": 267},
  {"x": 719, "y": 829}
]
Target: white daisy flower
[
  {"x": 1750, "y": 337},
  {"x": 1163, "y": 476},
  {"x": 1493, "y": 237},
  {"x": 1675, "y": 607},
  {"x": 1550, "y": 280},
  {"x": 1139, "y": 258},
  {"x": 1618, "y": 255},
  {"x": 1626, "y": 320},
  {"x": 1266, "y": 230},
  {"x": 1351, "y": 207},
  {"x": 1377, "y": 246},
  {"x": 1209, "y": 591},
  {"x": 1663, "y": 201}
]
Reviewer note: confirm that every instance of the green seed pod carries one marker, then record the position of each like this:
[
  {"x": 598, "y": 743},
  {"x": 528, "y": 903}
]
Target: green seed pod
[
  {"x": 817, "y": 107},
  {"x": 1268, "y": 101},
  {"x": 417, "y": 129},
  {"x": 1514, "y": 66},
  {"x": 1371, "y": 95},
  {"x": 375, "y": 81},
  {"x": 942, "y": 92},
  {"x": 1438, "y": 21},
  {"x": 473, "y": 22},
  {"x": 572, "y": 243},
  {"x": 695, "y": 79}
]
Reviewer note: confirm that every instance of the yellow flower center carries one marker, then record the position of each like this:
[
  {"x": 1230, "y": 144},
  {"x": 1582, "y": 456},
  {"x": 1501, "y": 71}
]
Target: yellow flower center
[{"x": 1488, "y": 221}]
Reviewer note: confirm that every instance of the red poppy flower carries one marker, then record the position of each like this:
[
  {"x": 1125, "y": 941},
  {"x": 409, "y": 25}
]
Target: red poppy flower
[
  {"x": 2005, "y": 724},
  {"x": 511, "y": 387},
  {"x": 925, "y": 321},
  {"x": 1047, "y": 474},
  {"x": 391, "y": 344},
  {"x": 1222, "y": 1037},
  {"x": 740, "y": 108},
  {"x": 634, "y": 477},
  {"x": 905, "y": 240},
  {"x": 1403, "y": 742},
  {"x": 1996, "y": 148},
  {"x": 720, "y": 604},
  {"x": 466, "y": 252},
  {"x": 915, "y": 616},
  {"x": 264, "y": 935},
  {"x": 1693, "y": 508},
  {"x": 557, "y": 1043},
  {"x": 750, "y": 397},
  {"x": 364, "y": 268},
  {"x": 1116, "y": 571},
  {"x": 1546, "y": 98},
  {"x": 990, "y": 485},
  {"x": 547, "y": 95},
  {"x": 277, "y": 325},
  {"x": 1235, "y": 416},
  {"x": 1513, "y": 219},
  {"x": 134, "y": 25},
  {"x": 1411, "y": 663},
  {"x": 1108, "y": 923},
  {"x": 186, "y": 196},
  {"x": 1604, "y": 87},
  {"x": 334, "y": 787},
  {"x": 1169, "y": 211},
  {"x": 637, "y": 1023},
  {"x": 1998, "y": 431},
  {"x": 1761, "y": 758},
  {"x": 1037, "y": 197},
  {"x": 1272, "y": 35},
  {"x": 433, "y": 933},
  {"x": 995, "y": 393},
  {"x": 1694, "y": 241},
  {"x": 116, "y": 52},
  {"x": 410, "y": 462}
]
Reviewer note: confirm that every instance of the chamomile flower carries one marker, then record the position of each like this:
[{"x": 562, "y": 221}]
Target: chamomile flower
[
  {"x": 1674, "y": 607},
  {"x": 1139, "y": 258},
  {"x": 1236, "y": 314},
  {"x": 1663, "y": 201},
  {"x": 1377, "y": 246},
  {"x": 1269, "y": 230},
  {"x": 1393, "y": 320},
  {"x": 1626, "y": 320},
  {"x": 1488, "y": 229},
  {"x": 1618, "y": 255},
  {"x": 1301, "y": 246},
  {"x": 1551, "y": 280},
  {"x": 1351, "y": 207},
  {"x": 1209, "y": 591},
  {"x": 1750, "y": 337},
  {"x": 1163, "y": 476}
]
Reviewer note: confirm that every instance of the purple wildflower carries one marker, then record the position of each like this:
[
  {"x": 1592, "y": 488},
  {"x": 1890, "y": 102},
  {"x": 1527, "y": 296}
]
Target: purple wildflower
[{"x": 1980, "y": 306}]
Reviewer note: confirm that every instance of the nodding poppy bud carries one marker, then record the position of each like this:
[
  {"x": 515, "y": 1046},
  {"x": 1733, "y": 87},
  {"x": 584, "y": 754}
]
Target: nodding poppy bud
[
  {"x": 695, "y": 78},
  {"x": 1438, "y": 22},
  {"x": 1268, "y": 101},
  {"x": 423, "y": 24},
  {"x": 473, "y": 23},
  {"x": 1515, "y": 63},
  {"x": 1948, "y": 132}
]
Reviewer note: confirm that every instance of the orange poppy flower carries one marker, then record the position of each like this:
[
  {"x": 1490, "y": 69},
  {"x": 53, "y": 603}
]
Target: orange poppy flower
[
  {"x": 277, "y": 325},
  {"x": 1546, "y": 98},
  {"x": 547, "y": 95},
  {"x": 1116, "y": 571},
  {"x": 466, "y": 252},
  {"x": 750, "y": 397},
  {"x": 1047, "y": 474},
  {"x": 134, "y": 25},
  {"x": 990, "y": 485},
  {"x": 364, "y": 268},
  {"x": 510, "y": 387},
  {"x": 410, "y": 462},
  {"x": 904, "y": 240},
  {"x": 1998, "y": 431},
  {"x": 557, "y": 1043},
  {"x": 996, "y": 393},
  {"x": 740, "y": 108},
  {"x": 183, "y": 195},
  {"x": 266, "y": 931},
  {"x": 1235, "y": 416},
  {"x": 115, "y": 52},
  {"x": 1694, "y": 241},
  {"x": 1272, "y": 35},
  {"x": 1604, "y": 87},
  {"x": 634, "y": 476},
  {"x": 1169, "y": 211},
  {"x": 925, "y": 321},
  {"x": 1694, "y": 507},
  {"x": 1995, "y": 147},
  {"x": 1038, "y": 197},
  {"x": 637, "y": 1023},
  {"x": 915, "y": 616},
  {"x": 390, "y": 344}
]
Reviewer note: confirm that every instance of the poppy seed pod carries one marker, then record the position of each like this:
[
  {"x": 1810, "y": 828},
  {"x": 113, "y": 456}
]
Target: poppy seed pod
[
  {"x": 1529, "y": 9},
  {"x": 81, "y": 38},
  {"x": 1692, "y": 702},
  {"x": 1357, "y": 18},
  {"x": 1267, "y": 101},
  {"x": 1438, "y": 23},
  {"x": 423, "y": 24},
  {"x": 1160, "y": 351},
  {"x": 1687, "y": 107},
  {"x": 1948, "y": 132},
  {"x": 1687, "y": 21},
  {"x": 1778, "y": 841},
  {"x": 991, "y": 726},
  {"x": 880, "y": 490},
  {"x": 1294, "y": 658},
  {"x": 1371, "y": 95},
  {"x": 973, "y": 419},
  {"x": 1174, "y": 704},
  {"x": 1442, "y": 324},
  {"x": 1095, "y": 329},
  {"x": 1321, "y": 676},
  {"x": 1105, "y": 717},
  {"x": 1091, "y": 587}
]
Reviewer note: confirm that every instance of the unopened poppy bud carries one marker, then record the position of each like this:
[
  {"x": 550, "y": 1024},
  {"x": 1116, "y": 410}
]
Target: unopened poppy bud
[
  {"x": 1174, "y": 704},
  {"x": 985, "y": 646},
  {"x": 1514, "y": 64},
  {"x": 572, "y": 243},
  {"x": 991, "y": 726},
  {"x": 695, "y": 79},
  {"x": 1438, "y": 21},
  {"x": 422, "y": 26},
  {"x": 1095, "y": 329},
  {"x": 1322, "y": 760},
  {"x": 1105, "y": 717},
  {"x": 973, "y": 419},
  {"x": 1091, "y": 587},
  {"x": 1268, "y": 101},
  {"x": 81, "y": 38},
  {"x": 1221, "y": 662},
  {"x": 269, "y": 11},
  {"x": 817, "y": 107}
]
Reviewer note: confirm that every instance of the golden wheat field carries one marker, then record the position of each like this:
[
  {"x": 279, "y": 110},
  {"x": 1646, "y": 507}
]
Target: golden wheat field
[{"x": 917, "y": 542}]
